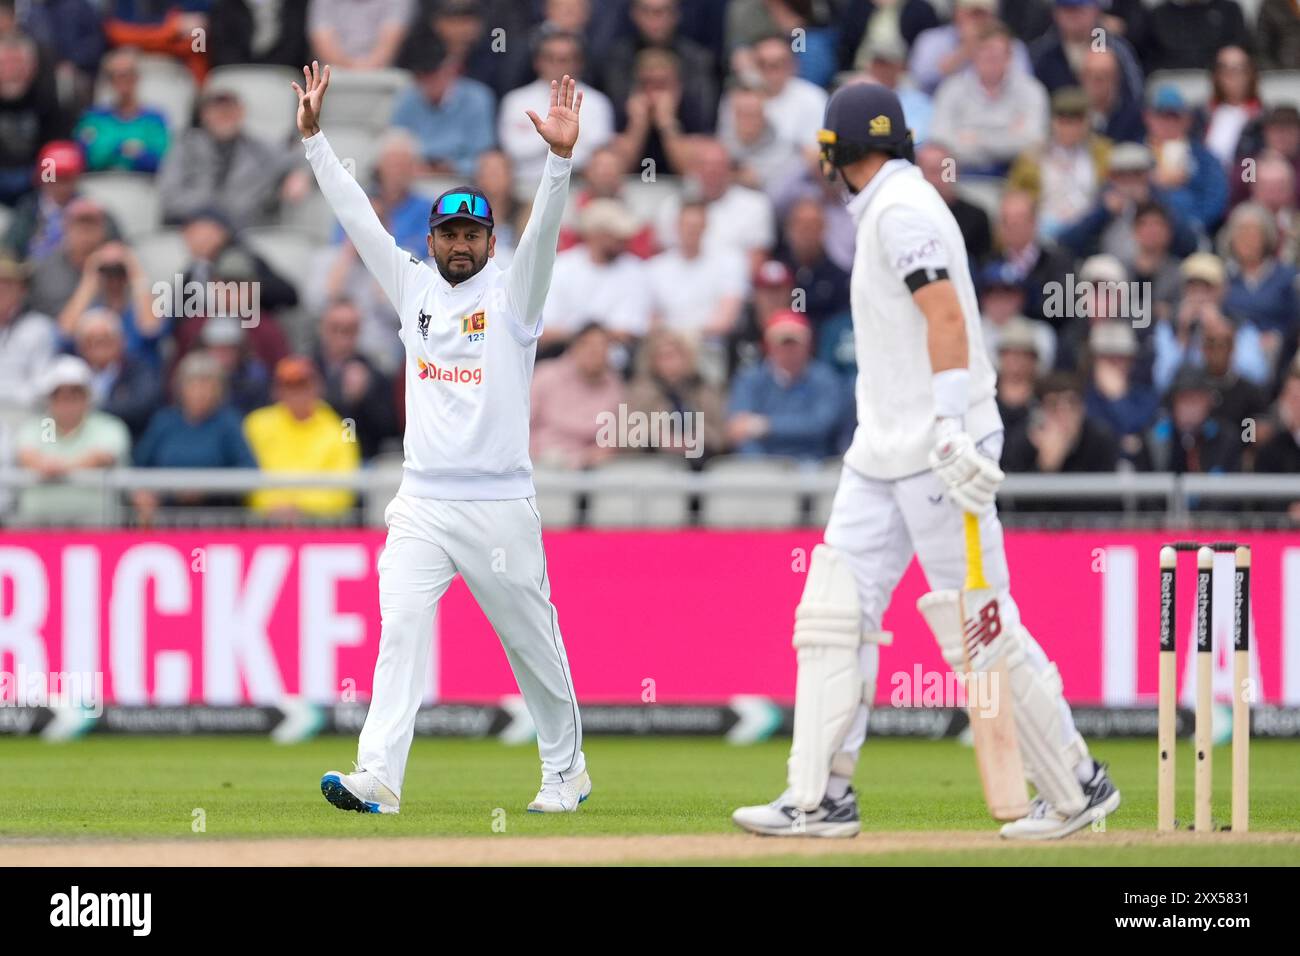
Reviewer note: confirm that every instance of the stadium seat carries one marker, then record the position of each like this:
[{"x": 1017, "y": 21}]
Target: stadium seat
[
  {"x": 821, "y": 500},
  {"x": 300, "y": 328},
  {"x": 130, "y": 198},
  {"x": 364, "y": 98},
  {"x": 751, "y": 492},
  {"x": 165, "y": 85},
  {"x": 650, "y": 504},
  {"x": 287, "y": 250},
  {"x": 1193, "y": 84},
  {"x": 269, "y": 104},
  {"x": 162, "y": 254},
  {"x": 646, "y": 200},
  {"x": 435, "y": 186},
  {"x": 356, "y": 145},
  {"x": 983, "y": 191},
  {"x": 557, "y": 505},
  {"x": 1279, "y": 87},
  {"x": 386, "y": 471},
  {"x": 312, "y": 216}
]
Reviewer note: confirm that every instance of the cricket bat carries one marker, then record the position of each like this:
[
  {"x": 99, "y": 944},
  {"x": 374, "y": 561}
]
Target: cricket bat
[{"x": 992, "y": 720}]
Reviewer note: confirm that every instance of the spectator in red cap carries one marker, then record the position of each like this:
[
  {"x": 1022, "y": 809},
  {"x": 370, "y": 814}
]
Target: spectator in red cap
[
  {"x": 773, "y": 291},
  {"x": 29, "y": 115},
  {"x": 37, "y": 227},
  {"x": 791, "y": 405}
]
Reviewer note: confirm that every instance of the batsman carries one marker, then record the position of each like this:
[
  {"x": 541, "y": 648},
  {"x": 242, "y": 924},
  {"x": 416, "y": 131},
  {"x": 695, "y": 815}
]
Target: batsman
[{"x": 919, "y": 478}]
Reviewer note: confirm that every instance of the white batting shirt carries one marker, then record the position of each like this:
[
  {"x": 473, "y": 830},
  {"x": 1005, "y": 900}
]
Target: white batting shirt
[
  {"x": 904, "y": 226},
  {"x": 469, "y": 347}
]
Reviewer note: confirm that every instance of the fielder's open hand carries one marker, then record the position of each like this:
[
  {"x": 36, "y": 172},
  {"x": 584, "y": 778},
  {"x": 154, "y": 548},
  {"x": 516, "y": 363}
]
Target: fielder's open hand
[
  {"x": 560, "y": 128},
  {"x": 309, "y": 102},
  {"x": 972, "y": 478}
]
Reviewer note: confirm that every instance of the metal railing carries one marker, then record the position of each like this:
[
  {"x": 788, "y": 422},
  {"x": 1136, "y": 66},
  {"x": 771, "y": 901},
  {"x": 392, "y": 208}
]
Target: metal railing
[{"x": 1160, "y": 497}]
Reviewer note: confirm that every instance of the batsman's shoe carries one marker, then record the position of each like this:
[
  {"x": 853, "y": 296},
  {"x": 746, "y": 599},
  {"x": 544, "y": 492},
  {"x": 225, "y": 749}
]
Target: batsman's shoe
[
  {"x": 833, "y": 818},
  {"x": 563, "y": 797},
  {"x": 360, "y": 792},
  {"x": 1043, "y": 822}
]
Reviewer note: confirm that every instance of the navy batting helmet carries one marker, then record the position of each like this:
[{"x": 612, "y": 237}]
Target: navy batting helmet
[{"x": 862, "y": 118}]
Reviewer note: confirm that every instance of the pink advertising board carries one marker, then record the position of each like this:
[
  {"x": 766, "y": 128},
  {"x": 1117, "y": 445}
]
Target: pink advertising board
[{"x": 233, "y": 617}]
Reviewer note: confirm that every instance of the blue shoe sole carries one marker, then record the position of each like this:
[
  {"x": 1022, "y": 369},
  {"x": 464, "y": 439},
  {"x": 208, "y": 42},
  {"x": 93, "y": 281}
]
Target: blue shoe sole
[
  {"x": 331, "y": 786},
  {"x": 581, "y": 800}
]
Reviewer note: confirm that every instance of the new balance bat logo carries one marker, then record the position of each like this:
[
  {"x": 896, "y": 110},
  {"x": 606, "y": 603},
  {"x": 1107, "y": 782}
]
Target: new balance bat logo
[{"x": 984, "y": 628}]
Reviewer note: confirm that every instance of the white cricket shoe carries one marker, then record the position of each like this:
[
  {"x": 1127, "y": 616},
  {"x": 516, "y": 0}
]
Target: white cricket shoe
[
  {"x": 1044, "y": 822},
  {"x": 833, "y": 818},
  {"x": 562, "y": 797},
  {"x": 359, "y": 791}
]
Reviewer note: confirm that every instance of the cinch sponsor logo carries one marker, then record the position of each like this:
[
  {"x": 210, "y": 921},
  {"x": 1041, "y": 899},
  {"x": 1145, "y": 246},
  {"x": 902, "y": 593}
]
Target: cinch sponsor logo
[
  {"x": 928, "y": 248},
  {"x": 455, "y": 374},
  {"x": 474, "y": 323}
]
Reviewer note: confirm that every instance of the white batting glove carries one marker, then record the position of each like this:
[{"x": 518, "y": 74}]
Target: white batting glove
[{"x": 972, "y": 478}]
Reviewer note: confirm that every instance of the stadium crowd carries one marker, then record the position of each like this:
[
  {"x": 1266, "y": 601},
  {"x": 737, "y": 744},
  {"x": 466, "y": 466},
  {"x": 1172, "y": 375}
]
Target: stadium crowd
[{"x": 1134, "y": 247}]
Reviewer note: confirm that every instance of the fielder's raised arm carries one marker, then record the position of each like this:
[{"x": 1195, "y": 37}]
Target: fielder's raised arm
[
  {"x": 529, "y": 276},
  {"x": 378, "y": 250}
]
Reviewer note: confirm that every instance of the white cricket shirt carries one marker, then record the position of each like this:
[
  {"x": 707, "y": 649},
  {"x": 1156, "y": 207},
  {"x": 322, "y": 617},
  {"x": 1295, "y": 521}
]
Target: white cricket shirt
[
  {"x": 469, "y": 347},
  {"x": 903, "y": 225}
]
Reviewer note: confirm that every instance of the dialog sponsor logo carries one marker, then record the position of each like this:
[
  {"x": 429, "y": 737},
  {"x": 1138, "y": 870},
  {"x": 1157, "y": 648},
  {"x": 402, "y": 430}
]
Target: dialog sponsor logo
[{"x": 452, "y": 374}]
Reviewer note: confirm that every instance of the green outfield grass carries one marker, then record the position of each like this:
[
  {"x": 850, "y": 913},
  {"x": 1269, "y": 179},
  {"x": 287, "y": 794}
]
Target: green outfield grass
[{"x": 107, "y": 787}]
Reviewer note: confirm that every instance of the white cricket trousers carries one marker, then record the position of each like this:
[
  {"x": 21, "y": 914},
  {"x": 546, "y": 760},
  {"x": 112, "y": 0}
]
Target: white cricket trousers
[
  {"x": 496, "y": 546},
  {"x": 877, "y": 526}
]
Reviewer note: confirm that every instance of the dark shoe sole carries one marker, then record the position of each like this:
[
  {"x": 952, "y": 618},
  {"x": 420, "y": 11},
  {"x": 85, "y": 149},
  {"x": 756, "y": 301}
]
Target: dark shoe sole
[{"x": 331, "y": 786}]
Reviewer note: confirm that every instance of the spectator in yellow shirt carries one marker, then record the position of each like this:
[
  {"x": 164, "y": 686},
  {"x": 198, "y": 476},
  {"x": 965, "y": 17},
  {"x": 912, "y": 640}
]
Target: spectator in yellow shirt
[{"x": 300, "y": 433}]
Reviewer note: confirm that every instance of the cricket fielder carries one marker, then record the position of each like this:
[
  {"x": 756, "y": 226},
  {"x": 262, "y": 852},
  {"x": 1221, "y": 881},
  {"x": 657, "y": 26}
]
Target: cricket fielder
[
  {"x": 925, "y": 452},
  {"x": 466, "y": 503}
]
